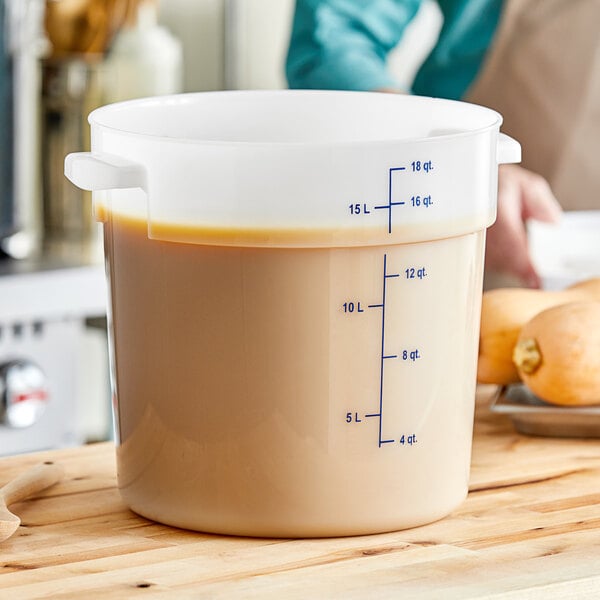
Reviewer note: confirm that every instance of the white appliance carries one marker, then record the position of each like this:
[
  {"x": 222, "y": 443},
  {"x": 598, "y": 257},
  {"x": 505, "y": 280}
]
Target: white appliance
[{"x": 43, "y": 348}]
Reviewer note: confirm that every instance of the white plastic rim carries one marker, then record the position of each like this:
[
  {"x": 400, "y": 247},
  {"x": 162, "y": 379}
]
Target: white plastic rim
[{"x": 296, "y": 168}]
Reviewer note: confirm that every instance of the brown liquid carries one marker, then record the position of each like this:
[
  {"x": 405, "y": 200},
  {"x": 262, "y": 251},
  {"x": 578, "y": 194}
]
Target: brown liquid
[{"x": 237, "y": 370}]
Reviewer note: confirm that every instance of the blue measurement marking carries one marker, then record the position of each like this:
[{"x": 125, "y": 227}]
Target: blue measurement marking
[
  {"x": 383, "y": 354},
  {"x": 391, "y": 204},
  {"x": 382, "y": 340}
]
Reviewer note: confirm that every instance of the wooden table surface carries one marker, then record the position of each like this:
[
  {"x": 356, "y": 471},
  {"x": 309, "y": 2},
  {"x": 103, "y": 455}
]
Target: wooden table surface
[{"x": 530, "y": 528}]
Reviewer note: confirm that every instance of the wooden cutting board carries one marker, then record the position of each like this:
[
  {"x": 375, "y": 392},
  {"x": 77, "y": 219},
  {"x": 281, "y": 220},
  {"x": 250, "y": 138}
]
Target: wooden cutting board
[{"x": 530, "y": 528}]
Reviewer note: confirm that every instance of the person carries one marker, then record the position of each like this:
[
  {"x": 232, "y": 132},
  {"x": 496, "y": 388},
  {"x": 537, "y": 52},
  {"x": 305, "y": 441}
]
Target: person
[{"x": 534, "y": 61}]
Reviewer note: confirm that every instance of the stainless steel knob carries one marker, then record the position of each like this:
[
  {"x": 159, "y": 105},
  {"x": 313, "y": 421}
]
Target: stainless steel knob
[{"x": 23, "y": 393}]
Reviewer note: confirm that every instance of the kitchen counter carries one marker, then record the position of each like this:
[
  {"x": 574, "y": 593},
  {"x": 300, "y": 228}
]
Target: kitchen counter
[{"x": 530, "y": 528}]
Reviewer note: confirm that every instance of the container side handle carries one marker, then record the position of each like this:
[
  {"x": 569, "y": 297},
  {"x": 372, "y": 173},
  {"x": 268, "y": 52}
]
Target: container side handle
[
  {"x": 96, "y": 171},
  {"x": 508, "y": 150}
]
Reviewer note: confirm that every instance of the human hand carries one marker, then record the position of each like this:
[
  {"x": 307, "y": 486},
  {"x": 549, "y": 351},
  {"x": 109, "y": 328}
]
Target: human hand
[{"x": 522, "y": 195}]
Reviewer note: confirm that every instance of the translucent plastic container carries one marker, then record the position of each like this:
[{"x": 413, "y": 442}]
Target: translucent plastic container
[{"x": 295, "y": 290}]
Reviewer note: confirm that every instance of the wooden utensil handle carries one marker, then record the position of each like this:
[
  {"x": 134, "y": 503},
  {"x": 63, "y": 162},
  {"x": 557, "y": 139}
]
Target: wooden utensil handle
[{"x": 31, "y": 481}]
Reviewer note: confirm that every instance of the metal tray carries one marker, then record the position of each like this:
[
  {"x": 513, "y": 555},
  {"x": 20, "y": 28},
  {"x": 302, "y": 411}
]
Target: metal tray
[{"x": 532, "y": 416}]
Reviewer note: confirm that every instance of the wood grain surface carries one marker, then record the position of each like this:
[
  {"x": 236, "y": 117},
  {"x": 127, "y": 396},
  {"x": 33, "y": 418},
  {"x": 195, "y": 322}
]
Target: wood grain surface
[{"x": 530, "y": 528}]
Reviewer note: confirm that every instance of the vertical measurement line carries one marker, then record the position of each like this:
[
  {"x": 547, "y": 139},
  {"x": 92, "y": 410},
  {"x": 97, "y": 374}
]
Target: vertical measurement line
[
  {"x": 390, "y": 204},
  {"x": 382, "y": 344},
  {"x": 383, "y": 356}
]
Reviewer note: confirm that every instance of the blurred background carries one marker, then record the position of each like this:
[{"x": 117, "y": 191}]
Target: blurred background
[{"x": 60, "y": 59}]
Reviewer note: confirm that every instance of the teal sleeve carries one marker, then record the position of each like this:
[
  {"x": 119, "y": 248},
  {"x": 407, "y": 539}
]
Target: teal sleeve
[
  {"x": 343, "y": 44},
  {"x": 467, "y": 32}
]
